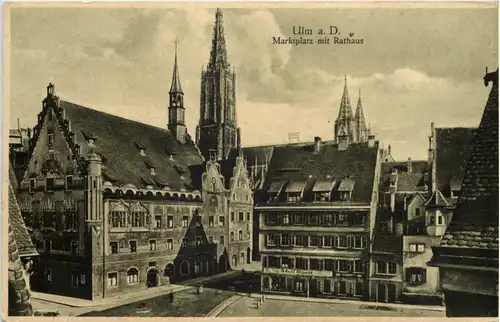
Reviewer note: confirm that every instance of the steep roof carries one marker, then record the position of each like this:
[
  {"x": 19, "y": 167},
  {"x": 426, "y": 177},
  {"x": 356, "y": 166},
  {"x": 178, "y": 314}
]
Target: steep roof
[
  {"x": 19, "y": 296},
  {"x": 16, "y": 223},
  {"x": 453, "y": 146},
  {"x": 475, "y": 220},
  {"x": 118, "y": 142},
  {"x": 406, "y": 182},
  {"x": 301, "y": 163}
]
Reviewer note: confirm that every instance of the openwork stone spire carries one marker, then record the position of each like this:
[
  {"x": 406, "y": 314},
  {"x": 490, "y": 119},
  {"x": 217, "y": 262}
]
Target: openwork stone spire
[
  {"x": 345, "y": 111},
  {"x": 218, "y": 53},
  {"x": 360, "y": 122}
]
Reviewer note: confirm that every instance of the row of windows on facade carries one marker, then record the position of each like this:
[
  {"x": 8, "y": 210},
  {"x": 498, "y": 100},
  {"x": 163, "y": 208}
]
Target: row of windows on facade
[
  {"x": 324, "y": 287},
  {"x": 57, "y": 221},
  {"x": 52, "y": 183},
  {"x": 132, "y": 244},
  {"x": 296, "y": 197},
  {"x": 315, "y": 241},
  {"x": 315, "y": 219},
  {"x": 337, "y": 265},
  {"x": 76, "y": 278},
  {"x": 64, "y": 245},
  {"x": 120, "y": 219}
]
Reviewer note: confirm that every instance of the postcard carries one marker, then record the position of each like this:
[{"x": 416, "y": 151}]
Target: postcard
[{"x": 250, "y": 160}]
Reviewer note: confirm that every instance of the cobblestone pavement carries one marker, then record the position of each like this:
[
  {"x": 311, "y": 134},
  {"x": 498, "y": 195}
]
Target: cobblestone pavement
[{"x": 246, "y": 307}]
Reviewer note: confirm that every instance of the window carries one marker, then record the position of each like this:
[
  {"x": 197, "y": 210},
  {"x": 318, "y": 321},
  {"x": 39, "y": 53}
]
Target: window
[
  {"x": 170, "y": 244},
  {"x": 242, "y": 258},
  {"x": 112, "y": 279},
  {"x": 114, "y": 247},
  {"x": 357, "y": 266},
  {"x": 211, "y": 239},
  {"x": 133, "y": 276},
  {"x": 248, "y": 216},
  {"x": 152, "y": 245},
  {"x": 241, "y": 216},
  {"x": 69, "y": 182},
  {"x": 316, "y": 264},
  {"x": 440, "y": 220},
  {"x": 327, "y": 241},
  {"x": 416, "y": 275},
  {"x": 417, "y": 212},
  {"x": 185, "y": 221},
  {"x": 184, "y": 242},
  {"x": 170, "y": 221},
  {"x": 50, "y": 139},
  {"x": 157, "y": 221},
  {"x": 198, "y": 220},
  {"x": 345, "y": 265},
  {"x": 82, "y": 279},
  {"x": 221, "y": 240},
  {"x": 210, "y": 221},
  {"x": 387, "y": 268},
  {"x": 233, "y": 216},
  {"x": 221, "y": 221},
  {"x": 417, "y": 248},
  {"x": 138, "y": 218},
  {"x": 314, "y": 241},
  {"x": 49, "y": 184},
  {"x": 342, "y": 241},
  {"x": 232, "y": 236},
  {"x": 47, "y": 245},
  {"x": 359, "y": 242},
  {"x": 198, "y": 240},
  {"x": 240, "y": 235},
  {"x": 74, "y": 247},
  {"x": 75, "y": 280},
  {"x": 197, "y": 268},
  {"x": 285, "y": 219},
  {"x": 285, "y": 240},
  {"x": 48, "y": 275},
  {"x": 132, "y": 246},
  {"x": 32, "y": 184}
]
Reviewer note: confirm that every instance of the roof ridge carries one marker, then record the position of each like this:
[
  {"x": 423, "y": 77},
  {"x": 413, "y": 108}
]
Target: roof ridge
[{"x": 115, "y": 116}]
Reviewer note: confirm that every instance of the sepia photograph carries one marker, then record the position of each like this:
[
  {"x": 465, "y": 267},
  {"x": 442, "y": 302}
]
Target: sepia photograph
[{"x": 250, "y": 160}]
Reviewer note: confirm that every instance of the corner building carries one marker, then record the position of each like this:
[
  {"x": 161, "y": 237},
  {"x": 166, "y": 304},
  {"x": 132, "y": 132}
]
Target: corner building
[{"x": 317, "y": 217}]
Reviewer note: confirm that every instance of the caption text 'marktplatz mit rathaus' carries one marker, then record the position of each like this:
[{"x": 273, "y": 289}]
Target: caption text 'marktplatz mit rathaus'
[{"x": 113, "y": 205}]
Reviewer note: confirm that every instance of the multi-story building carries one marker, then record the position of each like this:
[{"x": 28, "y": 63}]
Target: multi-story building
[
  {"x": 19, "y": 148},
  {"x": 117, "y": 206},
  {"x": 317, "y": 218},
  {"x": 467, "y": 256}
]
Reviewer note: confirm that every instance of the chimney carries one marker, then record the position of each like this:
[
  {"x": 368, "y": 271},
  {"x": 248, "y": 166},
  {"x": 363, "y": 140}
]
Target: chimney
[
  {"x": 409, "y": 165},
  {"x": 317, "y": 144},
  {"x": 343, "y": 142},
  {"x": 389, "y": 149},
  {"x": 430, "y": 150},
  {"x": 371, "y": 141}
]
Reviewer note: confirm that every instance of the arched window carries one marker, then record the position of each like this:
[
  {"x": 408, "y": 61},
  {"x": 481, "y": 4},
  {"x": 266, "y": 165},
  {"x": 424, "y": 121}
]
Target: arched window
[
  {"x": 232, "y": 236},
  {"x": 132, "y": 276}
]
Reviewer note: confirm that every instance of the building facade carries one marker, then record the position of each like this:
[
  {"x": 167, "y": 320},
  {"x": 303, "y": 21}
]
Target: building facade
[
  {"x": 467, "y": 256},
  {"x": 117, "y": 206},
  {"x": 316, "y": 222},
  {"x": 217, "y": 132}
]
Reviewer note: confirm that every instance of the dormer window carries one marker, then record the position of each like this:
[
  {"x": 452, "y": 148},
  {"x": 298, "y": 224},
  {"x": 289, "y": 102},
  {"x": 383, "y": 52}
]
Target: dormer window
[
  {"x": 274, "y": 190},
  {"x": 32, "y": 185},
  {"x": 49, "y": 184},
  {"x": 69, "y": 182},
  {"x": 322, "y": 190},
  {"x": 142, "y": 152},
  {"x": 152, "y": 170},
  {"x": 345, "y": 189},
  {"x": 50, "y": 139},
  {"x": 91, "y": 141},
  {"x": 294, "y": 191}
]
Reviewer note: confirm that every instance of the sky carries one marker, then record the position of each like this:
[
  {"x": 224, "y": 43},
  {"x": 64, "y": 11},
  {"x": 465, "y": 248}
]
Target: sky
[{"x": 415, "y": 66}]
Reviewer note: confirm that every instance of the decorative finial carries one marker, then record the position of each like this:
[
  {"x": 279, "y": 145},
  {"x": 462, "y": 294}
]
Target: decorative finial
[
  {"x": 176, "y": 42},
  {"x": 345, "y": 79}
]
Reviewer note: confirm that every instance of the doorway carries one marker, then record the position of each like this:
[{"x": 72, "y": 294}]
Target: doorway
[
  {"x": 152, "y": 278},
  {"x": 249, "y": 256}
]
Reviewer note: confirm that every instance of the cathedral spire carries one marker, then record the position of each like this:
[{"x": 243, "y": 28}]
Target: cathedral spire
[
  {"x": 176, "y": 88},
  {"x": 345, "y": 111},
  {"x": 345, "y": 121},
  {"x": 360, "y": 122},
  {"x": 218, "y": 53}
]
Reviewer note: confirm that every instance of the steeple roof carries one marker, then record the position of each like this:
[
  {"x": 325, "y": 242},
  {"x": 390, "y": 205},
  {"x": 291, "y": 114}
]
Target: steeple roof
[
  {"x": 360, "y": 115},
  {"x": 218, "y": 53},
  {"x": 345, "y": 111},
  {"x": 176, "y": 80}
]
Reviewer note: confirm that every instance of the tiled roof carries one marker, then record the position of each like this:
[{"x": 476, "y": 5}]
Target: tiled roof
[
  {"x": 406, "y": 181},
  {"x": 19, "y": 296},
  {"x": 20, "y": 232},
  {"x": 12, "y": 177},
  {"x": 437, "y": 199},
  {"x": 475, "y": 220},
  {"x": 118, "y": 142},
  {"x": 357, "y": 162},
  {"x": 452, "y": 152}
]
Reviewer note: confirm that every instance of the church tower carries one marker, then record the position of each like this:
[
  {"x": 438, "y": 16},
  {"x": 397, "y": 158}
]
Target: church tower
[
  {"x": 217, "y": 132},
  {"x": 344, "y": 125},
  {"x": 176, "y": 111},
  {"x": 360, "y": 123}
]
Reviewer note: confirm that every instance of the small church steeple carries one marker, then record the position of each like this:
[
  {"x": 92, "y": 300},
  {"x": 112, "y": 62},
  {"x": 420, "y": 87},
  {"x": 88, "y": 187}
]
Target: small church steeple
[
  {"x": 176, "y": 111},
  {"x": 360, "y": 122}
]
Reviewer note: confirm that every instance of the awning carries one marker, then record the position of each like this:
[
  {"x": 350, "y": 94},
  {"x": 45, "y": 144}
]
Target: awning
[
  {"x": 275, "y": 187},
  {"x": 323, "y": 186},
  {"x": 346, "y": 185},
  {"x": 296, "y": 186}
]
